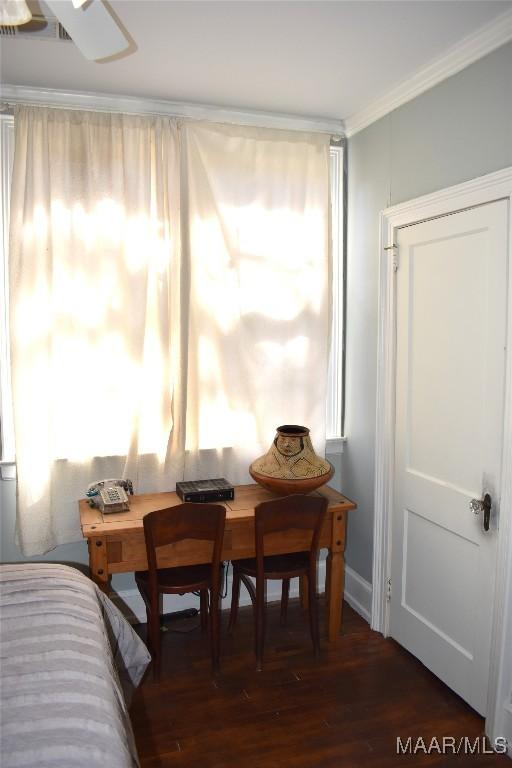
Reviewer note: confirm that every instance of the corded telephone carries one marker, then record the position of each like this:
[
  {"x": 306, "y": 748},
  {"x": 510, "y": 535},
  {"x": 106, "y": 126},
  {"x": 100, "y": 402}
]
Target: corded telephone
[{"x": 110, "y": 495}]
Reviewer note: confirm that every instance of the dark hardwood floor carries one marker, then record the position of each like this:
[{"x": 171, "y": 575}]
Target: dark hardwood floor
[{"x": 347, "y": 709}]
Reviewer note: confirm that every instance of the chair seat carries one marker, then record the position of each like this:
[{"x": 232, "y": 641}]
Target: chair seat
[
  {"x": 185, "y": 577},
  {"x": 276, "y": 566}
]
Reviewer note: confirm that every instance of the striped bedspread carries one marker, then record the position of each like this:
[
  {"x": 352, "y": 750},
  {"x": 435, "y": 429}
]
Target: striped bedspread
[{"x": 65, "y": 650}]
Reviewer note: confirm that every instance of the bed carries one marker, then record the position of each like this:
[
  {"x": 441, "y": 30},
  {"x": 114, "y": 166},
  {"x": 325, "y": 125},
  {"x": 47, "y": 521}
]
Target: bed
[{"x": 69, "y": 662}]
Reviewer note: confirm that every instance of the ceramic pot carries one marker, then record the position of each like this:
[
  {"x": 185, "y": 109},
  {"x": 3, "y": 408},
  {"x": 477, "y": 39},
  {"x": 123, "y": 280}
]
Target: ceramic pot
[{"x": 291, "y": 464}]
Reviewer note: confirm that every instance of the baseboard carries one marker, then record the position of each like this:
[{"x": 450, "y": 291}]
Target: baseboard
[
  {"x": 358, "y": 594},
  {"x": 131, "y": 604}
]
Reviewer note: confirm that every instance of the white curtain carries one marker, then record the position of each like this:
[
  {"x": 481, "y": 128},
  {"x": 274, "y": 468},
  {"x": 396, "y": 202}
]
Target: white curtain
[
  {"x": 142, "y": 351},
  {"x": 95, "y": 312},
  {"x": 256, "y": 217}
]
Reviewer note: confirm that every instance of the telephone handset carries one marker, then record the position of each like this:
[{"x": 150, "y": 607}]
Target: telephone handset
[{"x": 110, "y": 495}]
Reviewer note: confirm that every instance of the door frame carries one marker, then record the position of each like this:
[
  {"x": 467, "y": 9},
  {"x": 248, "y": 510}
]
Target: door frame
[{"x": 486, "y": 189}]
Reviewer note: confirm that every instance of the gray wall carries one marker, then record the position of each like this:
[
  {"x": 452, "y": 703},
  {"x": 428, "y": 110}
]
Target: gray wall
[{"x": 459, "y": 130}]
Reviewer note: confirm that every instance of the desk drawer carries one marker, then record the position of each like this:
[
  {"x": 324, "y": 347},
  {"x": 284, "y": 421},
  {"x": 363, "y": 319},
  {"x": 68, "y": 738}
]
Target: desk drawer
[{"x": 127, "y": 551}]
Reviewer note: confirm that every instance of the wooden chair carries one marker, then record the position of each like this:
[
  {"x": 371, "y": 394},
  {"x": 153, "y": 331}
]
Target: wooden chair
[
  {"x": 202, "y": 522},
  {"x": 306, "y": 513}
]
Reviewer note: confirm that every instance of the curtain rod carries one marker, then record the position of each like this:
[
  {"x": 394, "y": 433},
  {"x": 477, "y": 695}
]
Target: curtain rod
[{"x": 101, "y": 102}]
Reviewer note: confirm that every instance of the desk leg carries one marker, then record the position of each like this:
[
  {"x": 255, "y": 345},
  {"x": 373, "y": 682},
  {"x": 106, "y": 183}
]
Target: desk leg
[
  {"x": 304, "y": 592},
  {"x": 98, "y": 563},
  {"x": 335, "y": 577}
]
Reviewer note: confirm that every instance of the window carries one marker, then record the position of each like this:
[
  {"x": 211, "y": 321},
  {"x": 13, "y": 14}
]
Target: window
[
  {"x": 335, "y": 380},
  {"x": 6, "y": 421},
  {"x": 335, "y": 394}
]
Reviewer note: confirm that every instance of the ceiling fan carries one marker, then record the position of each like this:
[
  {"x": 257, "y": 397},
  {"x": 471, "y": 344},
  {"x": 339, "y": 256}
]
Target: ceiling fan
[{"x": 89, "y": 23}]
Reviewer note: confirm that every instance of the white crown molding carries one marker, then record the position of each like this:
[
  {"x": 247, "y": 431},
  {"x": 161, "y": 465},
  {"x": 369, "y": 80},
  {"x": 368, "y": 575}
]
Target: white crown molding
[
  {"x": 103, "y": 102},
  {"x": 468, "y": 50},
  {"x": 471, "y": 48}
]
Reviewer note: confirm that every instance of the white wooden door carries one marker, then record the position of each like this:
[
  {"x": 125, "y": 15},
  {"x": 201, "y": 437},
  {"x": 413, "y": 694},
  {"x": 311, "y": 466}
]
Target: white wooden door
[{"x": 451, "y": 326}]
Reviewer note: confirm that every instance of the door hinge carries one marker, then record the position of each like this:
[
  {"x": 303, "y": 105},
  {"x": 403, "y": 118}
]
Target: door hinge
[
  {"x": 393, "y": 247},
  {"x": 388, "y": 591}
]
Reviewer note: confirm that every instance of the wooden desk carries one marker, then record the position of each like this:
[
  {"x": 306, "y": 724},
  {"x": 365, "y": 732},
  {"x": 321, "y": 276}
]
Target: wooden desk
[{"x": 116, "y": 541}]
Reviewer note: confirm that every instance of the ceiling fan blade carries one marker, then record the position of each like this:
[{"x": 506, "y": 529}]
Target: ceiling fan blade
[
  {"x": 14, "y": 12},
  {"x": 91, "y": 27}
]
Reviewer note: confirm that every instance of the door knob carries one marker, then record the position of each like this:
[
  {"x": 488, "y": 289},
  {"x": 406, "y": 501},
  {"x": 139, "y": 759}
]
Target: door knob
[{"x": 482, "y": 505}]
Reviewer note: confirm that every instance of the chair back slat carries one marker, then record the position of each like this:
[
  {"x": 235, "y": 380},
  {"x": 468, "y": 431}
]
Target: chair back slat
[
  {"x": 201, "y": 522},
  {"x": 298, "y": 511}
]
